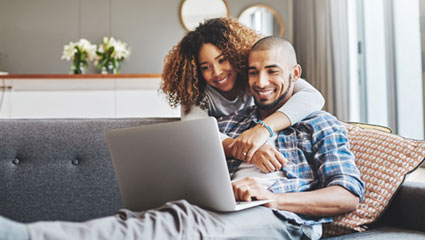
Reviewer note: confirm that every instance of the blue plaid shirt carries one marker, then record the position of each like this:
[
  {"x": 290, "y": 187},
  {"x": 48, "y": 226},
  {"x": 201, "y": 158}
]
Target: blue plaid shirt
[{"x": 317, "y": 151}]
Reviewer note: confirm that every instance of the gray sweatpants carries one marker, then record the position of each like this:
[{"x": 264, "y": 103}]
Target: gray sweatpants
[{"x": 175, "y": 220}]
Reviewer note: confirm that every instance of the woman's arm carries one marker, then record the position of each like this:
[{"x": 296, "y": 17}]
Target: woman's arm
[{"x": 305, "y": 100}]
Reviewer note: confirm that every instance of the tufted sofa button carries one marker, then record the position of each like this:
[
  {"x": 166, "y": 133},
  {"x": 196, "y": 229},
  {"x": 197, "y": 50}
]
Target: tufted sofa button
[
  {"x": 75, "y": 162},
  {"x": 16, "y": 161}
]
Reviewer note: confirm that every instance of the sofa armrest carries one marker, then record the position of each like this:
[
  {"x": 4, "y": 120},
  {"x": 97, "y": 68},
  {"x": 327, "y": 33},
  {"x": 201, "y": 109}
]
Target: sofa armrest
[{"x": 407, "y": 209}]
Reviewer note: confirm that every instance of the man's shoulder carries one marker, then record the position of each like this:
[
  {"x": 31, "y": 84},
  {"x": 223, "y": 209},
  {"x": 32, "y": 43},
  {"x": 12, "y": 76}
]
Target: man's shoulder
[
  {"x": 322, "y": 120},
  {"x": 315, "y": 116}
]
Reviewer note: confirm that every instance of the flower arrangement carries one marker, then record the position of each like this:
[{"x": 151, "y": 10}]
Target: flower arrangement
[
  {"x": 80, "y": 52},
  {"x": 109, "y": 55}
]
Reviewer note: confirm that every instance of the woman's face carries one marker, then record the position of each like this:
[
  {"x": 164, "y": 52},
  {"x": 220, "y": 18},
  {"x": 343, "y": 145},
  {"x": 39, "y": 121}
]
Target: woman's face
[{"x": 216, "y": 70}]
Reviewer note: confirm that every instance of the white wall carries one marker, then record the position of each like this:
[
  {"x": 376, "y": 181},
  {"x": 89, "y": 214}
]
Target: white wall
[{"x": 33, "y": 33}]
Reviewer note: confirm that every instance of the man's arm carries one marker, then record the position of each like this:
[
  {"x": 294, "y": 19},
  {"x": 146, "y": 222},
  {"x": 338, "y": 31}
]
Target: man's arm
[
  {"x": 329, "y": 201},
  {"x": 341, "y": 188}
]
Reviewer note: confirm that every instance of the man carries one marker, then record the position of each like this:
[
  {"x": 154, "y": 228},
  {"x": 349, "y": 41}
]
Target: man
[{"x": 318, "y": 180}]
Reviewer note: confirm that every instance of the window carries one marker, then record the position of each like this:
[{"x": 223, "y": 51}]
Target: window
[{"x": 386, "y": 65}]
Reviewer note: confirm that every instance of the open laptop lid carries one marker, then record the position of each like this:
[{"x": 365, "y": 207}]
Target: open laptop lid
[{"x": 158, "y": 163}]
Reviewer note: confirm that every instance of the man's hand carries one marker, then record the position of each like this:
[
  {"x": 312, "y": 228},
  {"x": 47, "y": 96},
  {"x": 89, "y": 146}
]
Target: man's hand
[
  {"x": 268, "y": 159},
  {"x": 247, "y": 189},
  {"x": 245, "y": 146}
]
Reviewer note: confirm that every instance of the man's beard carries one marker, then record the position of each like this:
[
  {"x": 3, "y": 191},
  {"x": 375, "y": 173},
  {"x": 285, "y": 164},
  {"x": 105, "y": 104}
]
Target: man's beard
[{"x": 276, "y": 103}]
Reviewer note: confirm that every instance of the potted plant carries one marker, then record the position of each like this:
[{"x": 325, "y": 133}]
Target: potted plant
[
  {"x": 109, "y": 55},
  {"x": 80, "y": 52}
]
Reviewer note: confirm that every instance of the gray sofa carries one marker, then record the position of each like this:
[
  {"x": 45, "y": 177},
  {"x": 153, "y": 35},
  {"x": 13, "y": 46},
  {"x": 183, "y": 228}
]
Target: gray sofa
[{"x": 59, "y": 169}]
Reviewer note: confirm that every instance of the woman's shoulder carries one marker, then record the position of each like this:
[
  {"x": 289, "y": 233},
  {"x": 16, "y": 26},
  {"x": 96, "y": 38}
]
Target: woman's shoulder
[{"x": 220, "y": 106}]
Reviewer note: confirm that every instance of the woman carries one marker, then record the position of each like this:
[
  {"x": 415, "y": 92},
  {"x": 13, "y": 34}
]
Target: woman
[{"x": 206, "y": 73}]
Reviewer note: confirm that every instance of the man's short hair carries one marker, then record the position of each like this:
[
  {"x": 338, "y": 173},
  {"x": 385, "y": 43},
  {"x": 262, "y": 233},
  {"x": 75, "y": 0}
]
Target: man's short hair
[{"x": 284, "y": 48}]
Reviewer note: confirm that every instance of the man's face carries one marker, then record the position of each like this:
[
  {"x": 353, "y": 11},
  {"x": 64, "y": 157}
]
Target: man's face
[{"x": 269, "y": 79}]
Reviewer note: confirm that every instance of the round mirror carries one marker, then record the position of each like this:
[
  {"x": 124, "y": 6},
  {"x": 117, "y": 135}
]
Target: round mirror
[
  {"x": 193, "y": 12},
  {"x": 263, "y": 19}
]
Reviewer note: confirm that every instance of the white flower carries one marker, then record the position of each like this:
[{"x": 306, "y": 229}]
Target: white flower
[
  {"x": 91, "y": 52},
  {"x": 109, "y": 42},
  {"x": 69, "y": 51},
  {"x": 109, "y": 53},
  {"x": 85, "y": 46},
  {"x": 100, "y": 49},
  {"x": 121, "y": 50},
  {"x": 82, "y": 46}
]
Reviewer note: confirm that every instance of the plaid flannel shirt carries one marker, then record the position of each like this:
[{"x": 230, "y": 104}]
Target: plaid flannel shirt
[{"x": 317, "y": 151}]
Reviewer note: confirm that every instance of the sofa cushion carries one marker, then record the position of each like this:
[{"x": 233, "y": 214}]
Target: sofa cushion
[{"x": 383, "y": 160}]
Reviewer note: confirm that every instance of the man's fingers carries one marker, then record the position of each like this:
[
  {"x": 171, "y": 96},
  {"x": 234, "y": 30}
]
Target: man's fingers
[
  {"x": 246, "y": 195},
  {"x": 276, "y": 164},
  {"x": 281, "y": 159},
  {"x": 241, "y": 191},
  {"x": 263, "y": 167},
  {"x": 270, "y": 166},
  {"x": 235, "y": 191}
]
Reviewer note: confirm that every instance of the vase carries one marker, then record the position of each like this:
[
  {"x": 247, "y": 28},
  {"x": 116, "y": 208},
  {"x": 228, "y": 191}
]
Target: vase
[
  {"x": 103, "y": 70},
  {"x": 77, "y": 68},
  {"x": 112, "y": 69}
]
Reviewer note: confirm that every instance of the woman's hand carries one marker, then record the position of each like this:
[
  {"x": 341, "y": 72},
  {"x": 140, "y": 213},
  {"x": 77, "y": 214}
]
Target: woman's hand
[
  {"x": 268, "y": 159},
  {"x": 245, "y": 146}
]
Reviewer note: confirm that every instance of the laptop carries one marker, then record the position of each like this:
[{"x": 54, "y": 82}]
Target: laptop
[{"x": 171, "y": 161}]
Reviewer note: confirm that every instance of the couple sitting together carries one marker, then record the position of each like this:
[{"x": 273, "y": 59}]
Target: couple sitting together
[{"x": 279, "y": 146}]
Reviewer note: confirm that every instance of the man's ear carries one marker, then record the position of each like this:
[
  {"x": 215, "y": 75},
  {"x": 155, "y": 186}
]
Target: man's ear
[{"x": 296, "y": 73}]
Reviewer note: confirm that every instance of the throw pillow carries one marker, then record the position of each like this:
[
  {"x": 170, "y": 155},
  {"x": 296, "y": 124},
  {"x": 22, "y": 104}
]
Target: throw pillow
[
  {"x": 371, "y": 126},
  {"x": 383, "y": 160}
]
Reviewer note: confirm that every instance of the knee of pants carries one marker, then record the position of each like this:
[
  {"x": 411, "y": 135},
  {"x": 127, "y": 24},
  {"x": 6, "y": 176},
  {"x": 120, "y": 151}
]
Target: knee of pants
[
  {"x": 191, "y": 215},
  {"x": 182, "y": 208},
  {"x": 125, "y": 214}
]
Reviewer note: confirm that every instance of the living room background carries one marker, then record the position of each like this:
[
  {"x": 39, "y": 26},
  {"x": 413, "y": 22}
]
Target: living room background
[{"x": 33, "y": 33}]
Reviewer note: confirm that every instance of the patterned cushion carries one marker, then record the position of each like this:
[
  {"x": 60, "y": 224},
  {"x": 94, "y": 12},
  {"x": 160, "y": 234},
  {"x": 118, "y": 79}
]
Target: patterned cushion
[
  {"x": 383, "y": 160},
  {"x": 372, "y": 126}
]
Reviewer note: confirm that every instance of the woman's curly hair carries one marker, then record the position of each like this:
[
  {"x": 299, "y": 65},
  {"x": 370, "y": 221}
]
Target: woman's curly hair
[{"x": 182, "y": 80}]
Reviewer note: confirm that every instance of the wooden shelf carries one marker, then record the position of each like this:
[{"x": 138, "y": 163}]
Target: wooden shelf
[{"x": 79, "y": 76}]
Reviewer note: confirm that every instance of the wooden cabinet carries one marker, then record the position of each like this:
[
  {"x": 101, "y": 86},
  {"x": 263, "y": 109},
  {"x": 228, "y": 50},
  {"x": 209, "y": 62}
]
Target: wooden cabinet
[{"x": 98, "y": 96}]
